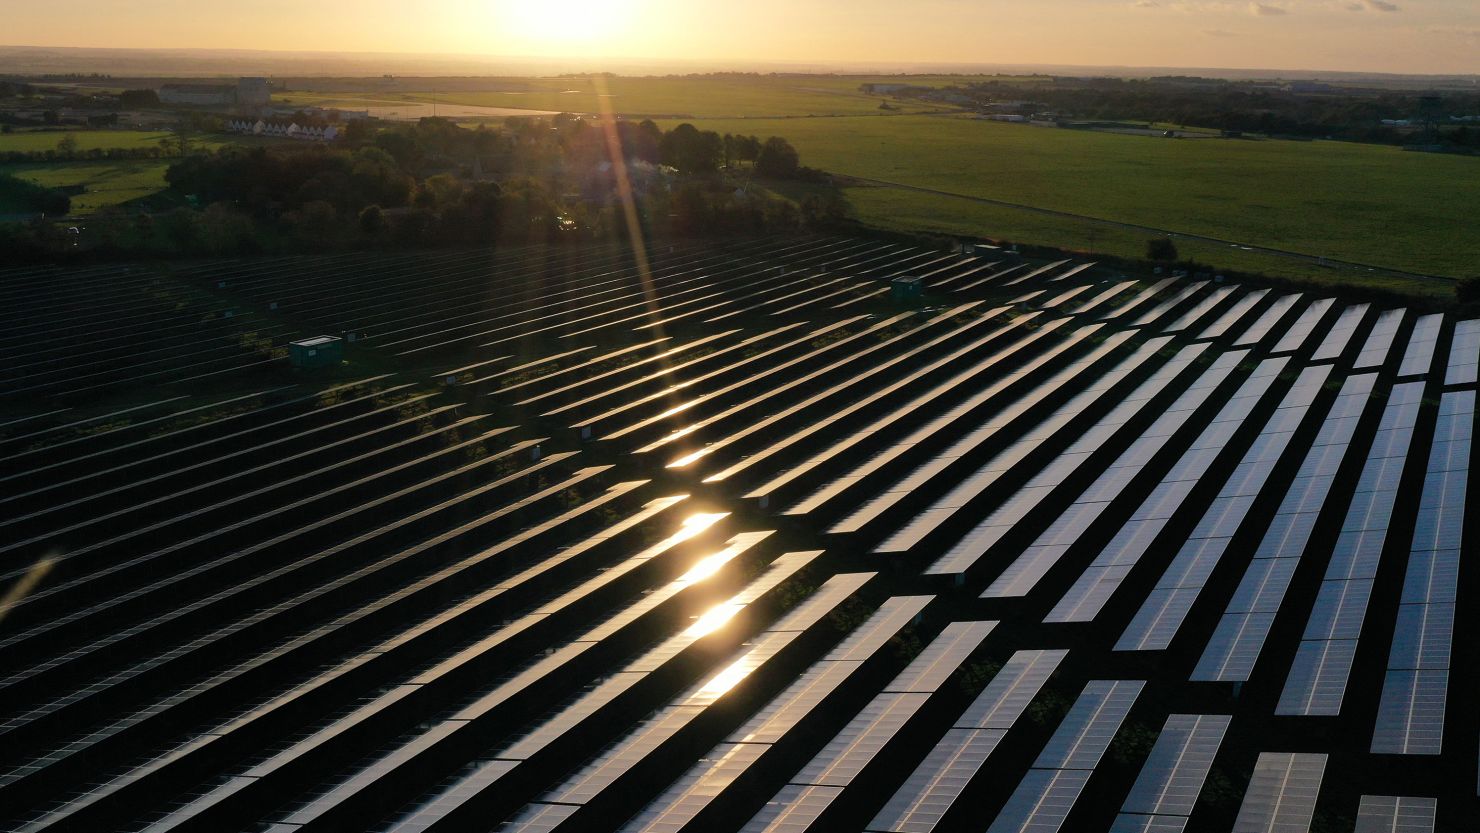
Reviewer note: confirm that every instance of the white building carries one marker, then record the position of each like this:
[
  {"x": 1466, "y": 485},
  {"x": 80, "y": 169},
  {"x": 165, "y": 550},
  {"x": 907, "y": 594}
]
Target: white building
[{"x": 283, "y": 129}]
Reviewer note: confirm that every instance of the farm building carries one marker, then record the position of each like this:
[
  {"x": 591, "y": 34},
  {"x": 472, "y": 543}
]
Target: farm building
[
  {"x": 245, "y": 93},
  {"x": 198, "y": 95}
]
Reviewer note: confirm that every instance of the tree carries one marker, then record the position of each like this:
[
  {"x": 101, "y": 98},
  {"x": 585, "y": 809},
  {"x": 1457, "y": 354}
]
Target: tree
[
  {"x": 313, "y": 224},
  {"x": 1467, "y": 290},
  {"x": 747, "y": 148},
  {"x": 372, "y": 221},
  {"x": 690, "y": 150},
  {"x": 175, "y": 144},
  {"x": 693, "y": 212},
  {"x": 819, "y": 211},
  {"x": 54, "y": 203},
  {"x": 778, "y": 159},
  {"x": 440, "y": 191},
  {"x": 32, "y": 197},
  {"x": 67, "y": 146},
  {"x": 1161, "y": 249},
  {"x": 223, "y": 230},
  {"x": 358, "y": 131},
  {"x": 136, "y": 99}
]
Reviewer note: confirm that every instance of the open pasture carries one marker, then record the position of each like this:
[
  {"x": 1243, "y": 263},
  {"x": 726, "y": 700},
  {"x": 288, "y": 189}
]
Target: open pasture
[
  {"x": 106, "y": 182},
  {"x": 1365, "y": 203},
  {"x": 657, "y": 97}
]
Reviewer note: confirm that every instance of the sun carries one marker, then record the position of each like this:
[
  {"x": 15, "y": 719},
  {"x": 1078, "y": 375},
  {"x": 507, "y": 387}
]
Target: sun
[{"x": 565, "y": 21}]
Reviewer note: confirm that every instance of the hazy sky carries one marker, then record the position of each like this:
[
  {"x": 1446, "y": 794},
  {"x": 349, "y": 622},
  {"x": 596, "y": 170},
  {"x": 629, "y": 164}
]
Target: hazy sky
[{"x": 1439, "y": 36}]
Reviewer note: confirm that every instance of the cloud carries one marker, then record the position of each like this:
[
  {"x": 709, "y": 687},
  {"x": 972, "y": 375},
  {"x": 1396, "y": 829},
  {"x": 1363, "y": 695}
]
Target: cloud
[
  {"x": 1382, "y": 6},
  {"x": 1146, "y": 4},
  {"x": 1355, "y": 7},
  {"x": 1266, "y": 10}
]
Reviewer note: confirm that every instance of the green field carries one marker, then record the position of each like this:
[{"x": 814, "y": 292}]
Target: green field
[
  {"x": 688, "y": 97},
  {"x": 41, "y": 140},
  {"x": 1366, "y": 203},
  {"x": 108, "y": 182}
]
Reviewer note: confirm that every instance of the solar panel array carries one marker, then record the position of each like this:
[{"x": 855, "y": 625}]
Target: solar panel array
[{"x": 723, "y": 537}]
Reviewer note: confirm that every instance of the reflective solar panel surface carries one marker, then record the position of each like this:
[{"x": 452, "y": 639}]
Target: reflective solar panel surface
[{"x": 729, "y": 536}]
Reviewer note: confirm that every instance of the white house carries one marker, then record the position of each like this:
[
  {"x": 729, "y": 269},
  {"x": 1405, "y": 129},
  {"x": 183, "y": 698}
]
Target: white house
[{"x": 284, "y": 129}]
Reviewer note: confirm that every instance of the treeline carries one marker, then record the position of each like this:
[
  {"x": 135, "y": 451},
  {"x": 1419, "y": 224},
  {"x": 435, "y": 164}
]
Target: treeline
[
  {"x": 435, "y": 183},
  {"x": 1244, "y": 107},
  {"x": 73, "y": 154},
  {"x": 19, "y": 196}
]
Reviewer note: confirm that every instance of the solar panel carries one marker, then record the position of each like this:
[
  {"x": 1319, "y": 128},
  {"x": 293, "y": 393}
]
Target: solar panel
[
  {"x": 793, "y": 810},
  {"x": 1396, "y": 814},
  {"x": 1420, "y": 353},
  {"x": 1301, "y": 329},
  {"x": 1375, "y": 349},
  {"x": 1129, "y": 823},
  {"x": 1317, "y": 681},
  {"x": 1091, "y": 723},
  {"x": 1281, "y": 797},
  {"x": 1103, "y": 297},
  {"x": 1043, "y": 553},
  {"x": 1234, "y": 314},
  {"x": 1464, "y": 354},
  {"x": 1018, "y": 681},
  {"x": 969, "y": 549},
  {"x": 881, "y": 720},
  {"x": 539, "y": 818},
  {"x": 1268, "y": 320},
  {"x": 1165, "y": 306},
  {"x": 1174, "y": 772},
  {"x": 1410, "y": 717},
  {"x": 1166, "y": 607},
  {"x": 894, "y": 614},
  {"x": 929, "y": 670},
  {"x": 1340, "y": 334},
  {"x": 861, "y": 740},
  {"x": 1200, "y": 309},
  {"x": 1041, "y": 802},
  {"x": 726, "y": 762},
  {"x": 920, "y": 803},
  {"x": 475, "y": 641},
  {"x": 1410, "y": 714},
  {"x": 1140, "y": 300},
  {"x": 972, "y": 439},
  {"x": 940, "y": 350},
  {"x": 1096, "y": 585}
]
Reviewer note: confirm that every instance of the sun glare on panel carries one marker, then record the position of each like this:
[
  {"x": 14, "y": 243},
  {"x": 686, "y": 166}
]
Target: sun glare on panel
[
  {"x": 703, "y": 520},
  {"x": 713, "y": 619},
  {"x": 727, "y": 679},
  {"x": 571, "y": 21}
]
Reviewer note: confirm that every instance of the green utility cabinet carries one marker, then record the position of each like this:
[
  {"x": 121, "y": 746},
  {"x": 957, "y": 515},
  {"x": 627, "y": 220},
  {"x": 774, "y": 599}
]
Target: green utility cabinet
[
  {"x": 319, "y": 351},
  {"x": 906, "y": 289}
]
